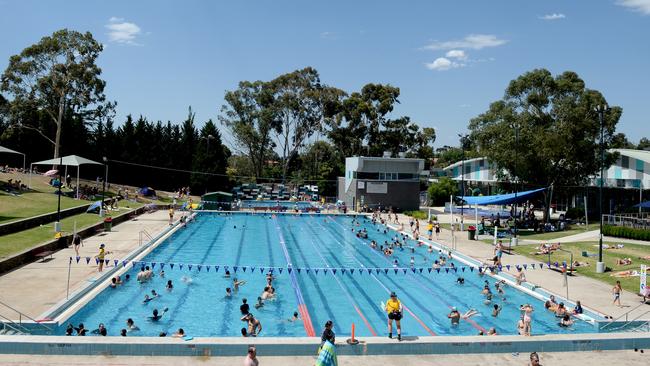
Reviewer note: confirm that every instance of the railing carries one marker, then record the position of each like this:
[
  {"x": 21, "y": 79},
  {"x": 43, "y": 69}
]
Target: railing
[
  {"x": 10, "y": 324},
  {"x": 144, "y": 234},
  {"x": 642, "y": 222},
  {"x": 21, "y": 315},
  {"x": 626, "y": 315}
]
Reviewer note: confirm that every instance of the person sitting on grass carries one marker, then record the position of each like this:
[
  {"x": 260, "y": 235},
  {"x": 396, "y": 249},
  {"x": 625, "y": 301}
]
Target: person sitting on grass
[{"x": 624, "y": 261}]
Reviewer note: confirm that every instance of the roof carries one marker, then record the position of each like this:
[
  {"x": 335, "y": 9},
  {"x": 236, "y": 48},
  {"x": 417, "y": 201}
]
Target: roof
[
  {"x": 70, "y": 160},
  {"x": 459, "y": 163},
  {"x": 642, "y": 155},
  {"x": 379, "y": 158},
  {"x": 9, "y": 151},
  {"x": 501, "y": 199},
  {"x": 220, "y": 193}
]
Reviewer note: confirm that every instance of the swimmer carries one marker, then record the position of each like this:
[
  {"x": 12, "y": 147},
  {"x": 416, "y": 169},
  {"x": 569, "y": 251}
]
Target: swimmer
[
  {"x": 244, "y": 307},
  {"x": 228, "y": 292},
  {"x": 156, "y": 316},
  {"x": 496, "y": 311},
  {"x": 259, "y": 303},
  {"x": 179, "y": 334},
  {"x": 254, "y": 326},
  {"x": 162, "y": 273},
  {"x": 454, "y": 315},
  {"x": 113, "y": 283},
  {"x": 236, "y": 284},
  {"x": 169, "y": 286},
  {"x": 566, "y": 321},
  {"x": 187, "y": 280},
  {"x": 101, "y": 330},
  {"x": 227, "y": 275},
  {"x": 460, "y": 281},
  {"x": 130, "y": 325},
  {"x": 294, "y": 317}
]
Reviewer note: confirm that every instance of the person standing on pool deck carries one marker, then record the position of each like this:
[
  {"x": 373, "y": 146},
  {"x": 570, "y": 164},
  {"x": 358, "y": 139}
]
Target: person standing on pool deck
[
  {"x": 76, "y": 242},
  {"x": 394, "y": 310},
  {"x": 328, "y": 333},
  {"x": 101, "y": 256},
  {"x": 617, "y": 293}
]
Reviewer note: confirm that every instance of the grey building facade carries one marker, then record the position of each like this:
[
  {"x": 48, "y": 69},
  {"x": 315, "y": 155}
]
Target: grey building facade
[{"x": 386, "y": 182}]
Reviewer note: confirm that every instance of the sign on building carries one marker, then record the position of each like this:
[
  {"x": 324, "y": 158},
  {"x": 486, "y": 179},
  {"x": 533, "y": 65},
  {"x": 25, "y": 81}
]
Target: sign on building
[{"x": 375, "y": 187}]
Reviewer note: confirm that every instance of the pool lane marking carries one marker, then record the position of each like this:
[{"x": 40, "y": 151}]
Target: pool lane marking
[
  {"x": 387, "y": 290},
  {"x": 302, "y": 307},
  {"x": 416, "y": 281},
  {"x": 345, "y": 291},
  {"x": 423, "y": 286}
]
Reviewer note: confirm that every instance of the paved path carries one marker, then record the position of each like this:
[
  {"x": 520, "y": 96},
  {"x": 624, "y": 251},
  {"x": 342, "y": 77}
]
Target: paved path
[
  {"x": 591, "y": 235},
  {"x": 36, "y": 287},
  {"x": 592, "y": 293},
  {"x": 607, "y": 358}
]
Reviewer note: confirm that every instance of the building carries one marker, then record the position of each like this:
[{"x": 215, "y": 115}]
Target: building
[
  {"x": 631, "y": 170},
  {"x": 386, "y": 182}
]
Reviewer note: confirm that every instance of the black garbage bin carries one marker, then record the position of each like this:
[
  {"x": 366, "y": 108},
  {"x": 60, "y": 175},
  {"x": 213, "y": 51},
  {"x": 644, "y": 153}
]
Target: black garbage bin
[{"x": 471, "y": 233}]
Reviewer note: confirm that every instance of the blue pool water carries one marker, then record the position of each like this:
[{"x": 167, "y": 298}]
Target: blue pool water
[{"x": 307, "y": 241}]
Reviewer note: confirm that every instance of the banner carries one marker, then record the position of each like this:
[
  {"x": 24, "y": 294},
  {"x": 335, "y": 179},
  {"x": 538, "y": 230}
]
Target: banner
[
  {"x": 375, "y": 187},
  {"x": 643, "y": 277}
]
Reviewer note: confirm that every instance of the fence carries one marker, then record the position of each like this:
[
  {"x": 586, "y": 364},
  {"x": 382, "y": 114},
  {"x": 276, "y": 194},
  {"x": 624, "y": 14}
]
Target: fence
[{"x": 636, "y": 221}]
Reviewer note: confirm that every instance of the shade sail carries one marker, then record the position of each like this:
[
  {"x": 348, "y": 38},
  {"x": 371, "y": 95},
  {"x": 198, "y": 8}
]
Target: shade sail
[
  {"x": 502, "y": 199},
  {"x": 645, "y": 204},
  {"x": 6, "y": 150},
  {"x": 70, "y": 160}
]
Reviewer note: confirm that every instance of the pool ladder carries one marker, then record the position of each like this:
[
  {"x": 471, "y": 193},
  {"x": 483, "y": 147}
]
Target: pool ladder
[
  {"x": 9, "y": 327},
  {"x": 144, "y": 234}
]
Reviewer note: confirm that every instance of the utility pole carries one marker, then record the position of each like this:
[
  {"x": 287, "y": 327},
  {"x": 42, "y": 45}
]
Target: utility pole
[{"x": 601, "y": 109}]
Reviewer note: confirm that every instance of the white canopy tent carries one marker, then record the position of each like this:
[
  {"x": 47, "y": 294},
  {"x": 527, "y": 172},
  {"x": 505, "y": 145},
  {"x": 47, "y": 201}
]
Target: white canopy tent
[
  {"x": 9, "y": 151},
  {"x": 70, "y": 160}
]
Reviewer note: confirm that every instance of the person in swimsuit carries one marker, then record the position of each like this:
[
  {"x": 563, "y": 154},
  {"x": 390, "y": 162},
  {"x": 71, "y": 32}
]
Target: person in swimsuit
[
  {"x": 101, "y": 256},
  {"x": 156, "y": 316},
  {"x": 454, "y": 315},
  {"x": 244, "y": 308},
  {"x": 528, "y": 319},
  {"x": 617, "y": 293},
  {"x": 394, "y": 311},
  {"x": 76, "y": 242},
  {"x": 254, "y": 325}
]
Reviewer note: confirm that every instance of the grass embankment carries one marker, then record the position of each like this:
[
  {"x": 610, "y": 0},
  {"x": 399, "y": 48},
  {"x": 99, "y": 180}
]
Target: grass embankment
[
  {"x": 40, "y": 200},
  {"x": 634, "y": 251},
  {"x": 17, "y": 242}
]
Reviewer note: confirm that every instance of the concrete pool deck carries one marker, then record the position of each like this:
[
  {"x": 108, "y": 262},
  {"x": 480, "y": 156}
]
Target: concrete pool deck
[{"x": 36, "y": 287}]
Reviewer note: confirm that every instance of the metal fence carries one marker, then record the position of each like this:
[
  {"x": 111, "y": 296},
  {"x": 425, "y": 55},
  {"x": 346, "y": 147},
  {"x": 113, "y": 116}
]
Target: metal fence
[{"x": 637, "y": 221}]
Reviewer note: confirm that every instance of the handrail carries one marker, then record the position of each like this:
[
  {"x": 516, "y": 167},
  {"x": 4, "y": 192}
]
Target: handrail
[
  {"x": 13, "y": 325},
  {"x": 146, "y": 234},
  {"x": 624, "y": 315},
  {"x": 21, "y": 314}
]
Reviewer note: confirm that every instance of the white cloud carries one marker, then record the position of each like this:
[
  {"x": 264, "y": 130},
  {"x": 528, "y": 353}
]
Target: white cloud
[
  {"x": 641, "y": 6},
  {"x": 459, "y": 54},
  {"x": 120, "y": 31},
  {"x": 443, "y": 64},
  {"x": 554, "y": 16},
  {"x": 472, "y": 41},
  {"x": 327, "y": 35}
]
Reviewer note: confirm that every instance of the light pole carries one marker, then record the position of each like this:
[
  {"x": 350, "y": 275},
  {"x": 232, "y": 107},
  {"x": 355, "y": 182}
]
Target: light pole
[
  {"x": 101, "y": 206},
  {"x": 601, "y": 109},
  {"x": 515, "y": 240},
  {"x": 57, "y": 224},
  {"x": 207, "y": 138},
  {"x": 463, "y": 139}
]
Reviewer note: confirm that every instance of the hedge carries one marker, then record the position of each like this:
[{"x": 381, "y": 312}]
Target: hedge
[
  {"x": 420, "y": 215},
  {"x": 626, "y": 232}
]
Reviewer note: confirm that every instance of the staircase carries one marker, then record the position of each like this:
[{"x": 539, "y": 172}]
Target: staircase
[
  {"x": 638, "y": 324},
  {"x": 12, "y": 327}
]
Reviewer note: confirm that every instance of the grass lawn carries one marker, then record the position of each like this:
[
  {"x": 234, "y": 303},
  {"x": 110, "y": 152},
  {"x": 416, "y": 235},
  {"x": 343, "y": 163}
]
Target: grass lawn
[
  {"x": 633, "y": 251},
  {"x": 16, "y": 242},
  {"x": 39, "y": 201},
  {"x": 575, "y": 229}
]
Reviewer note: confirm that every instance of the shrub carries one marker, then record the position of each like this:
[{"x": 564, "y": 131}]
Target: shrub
[
  {"x": 439, "y": 192},
  {"x": 575, "y": 213},
  {"x": 420, "y": 215},
  {"x": 626, "y": 232}
]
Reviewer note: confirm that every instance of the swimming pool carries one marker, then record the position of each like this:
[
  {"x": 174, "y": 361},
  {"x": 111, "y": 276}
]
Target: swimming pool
[{"x": 323, "y": 244}]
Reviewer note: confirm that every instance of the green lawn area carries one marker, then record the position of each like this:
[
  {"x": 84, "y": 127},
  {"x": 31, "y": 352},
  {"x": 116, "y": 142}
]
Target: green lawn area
[
  {"x": 39, "y": 201},
  {"x": 575, "y": 229},
  {"x": 16, "y": 242},
  {"x": 633, "y": 251}
]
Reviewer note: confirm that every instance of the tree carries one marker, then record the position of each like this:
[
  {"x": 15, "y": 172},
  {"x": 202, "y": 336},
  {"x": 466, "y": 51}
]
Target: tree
[
  {"x": 250, "y": 120},
  {"x": 210, "y": 156},
  {"x": 57, "y": 75},
  {"x": 440, "y": 191},
  {"x": 644, "y": 144},
  {"x": 557, "y": 126},
  {"x": 298, "y": 110},
  {"x": 620, "y": 141}
]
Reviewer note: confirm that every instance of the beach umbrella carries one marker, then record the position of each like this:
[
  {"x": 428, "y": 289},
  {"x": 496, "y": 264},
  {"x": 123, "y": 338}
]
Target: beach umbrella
[{"x": 51, "y": 173}]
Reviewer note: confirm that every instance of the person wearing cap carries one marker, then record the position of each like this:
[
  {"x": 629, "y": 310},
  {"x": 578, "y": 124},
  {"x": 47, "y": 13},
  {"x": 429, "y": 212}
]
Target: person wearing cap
[
  {"x": 454, "y": 315},
  {"x": 394, "y": 310},
  {"x": 101, "y": 256},
  {"x": 327, "y": 351},
  {"x": 251, "y": 357}
]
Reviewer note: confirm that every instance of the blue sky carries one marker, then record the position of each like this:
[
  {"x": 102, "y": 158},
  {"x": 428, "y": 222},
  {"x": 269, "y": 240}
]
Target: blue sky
[{"x": 450, "y": 59}]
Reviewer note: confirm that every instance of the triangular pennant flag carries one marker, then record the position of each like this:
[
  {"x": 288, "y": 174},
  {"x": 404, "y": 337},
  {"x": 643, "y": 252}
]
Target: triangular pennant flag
[
  {"x": 508, "y": 266},
  {"x": 78, "y": 258},
  {"x": 525, "y": 266},
  {"x": 500, "y": 267},
  {"x": 316, "y": 270},
  {"x": 261, "y": 269},
  {"x": 298, "y": 269},
  {"x": 252, "y": 269},
  {"x": 207, "y": 268},
  {"x": 171, "y": 265},
  {"x": 533, "y": 265},
  {"x": 446, "y": 270},
  {"x": 351, "y": 270},
  {"x": 386, "y": 271},
  {"x": 225, "y": 268},
  {"x": 216, "y": 269},
  {"x": 307, "y": 270},
  {"x": 438, "y": 270},
  {"x": 404, "y": 270},
  {"x": 369, "y": 270},
  {"x": 325, "y": 270},
  {"x": 162, "y": 265},
  {"x": 334, "y": 270},
  {"x": 289, "y": 270},
  {"x": 180, "y": 266},
  {"x": 280, "y": 270},
  {"x": 462, "y": 269},
  {"x": 87, "y": 260},
  {"x": 106, "y": 261},
  {"x": 115, "y": 262},
  {"x": 378, "y": 270},
  {"x": 549, "y": 265},
  {"x": 342, "y": 270},
  {"x": 198, "y": 267},
  {"x": 455, "y": 270},
  {"x": 471, "y": 269},
  {"x": 234, "y": 268},
  {"x": 153, "y": 265},
  {"x": 123, "y": 264},
  {"x": 556, "y": 264},
  {"x": 243, "y": 268},
  {"x": 413, "y": 270},
  {"x": 189, "y": 267},
  {"x": 429, "y": 269},
  {"x": 421, "y": 269}
]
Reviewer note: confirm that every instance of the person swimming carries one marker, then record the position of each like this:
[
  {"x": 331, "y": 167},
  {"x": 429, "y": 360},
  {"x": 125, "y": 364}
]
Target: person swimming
[
  {"x": 259, "y": 303},
  {"x": 130, "y": 325},
  {"x": 294, "y": 317},
  {"x": 169, "y": 286},
  {"x": 156, "y": 316}
]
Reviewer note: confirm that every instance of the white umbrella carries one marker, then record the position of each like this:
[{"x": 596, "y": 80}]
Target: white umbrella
[{"x": 51, "y": 172}]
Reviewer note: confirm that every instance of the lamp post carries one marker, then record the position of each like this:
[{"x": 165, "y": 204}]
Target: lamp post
[
  {"x": 515, "y": 240},
  {"x": 101, "y": 206},
  {"x": 463, "y": 140},
  {"x": 207, "y": 138},
  {"x": 57, "y": 224},
  {"x": 601, "y": 109}
]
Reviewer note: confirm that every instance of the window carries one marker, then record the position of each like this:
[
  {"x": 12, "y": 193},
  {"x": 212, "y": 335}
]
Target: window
[
  {"x": 620, "y": 183},
  {"x": 625, "y": 162},
  {"x": 367, "y": 175}
]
